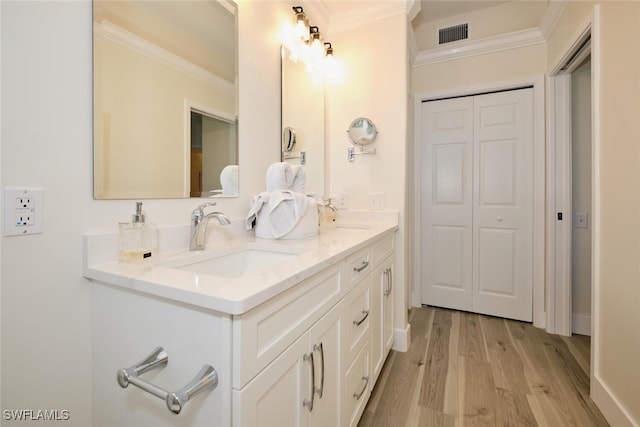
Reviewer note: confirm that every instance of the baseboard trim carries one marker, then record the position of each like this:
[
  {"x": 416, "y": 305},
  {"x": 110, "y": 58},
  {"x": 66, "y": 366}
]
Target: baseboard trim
[
  {"x": 402, "y": 339},
  {"x": 581, "y": 324},
  {"x": 615, "y": 414}
]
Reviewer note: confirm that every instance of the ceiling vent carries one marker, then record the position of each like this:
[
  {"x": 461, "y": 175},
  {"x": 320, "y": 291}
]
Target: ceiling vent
[{"x": 453, "y": 34}]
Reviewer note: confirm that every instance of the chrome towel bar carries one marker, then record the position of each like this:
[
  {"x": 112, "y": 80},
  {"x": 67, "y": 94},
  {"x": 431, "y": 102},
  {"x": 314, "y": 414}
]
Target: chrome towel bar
[{"x": 206, "y": 379}]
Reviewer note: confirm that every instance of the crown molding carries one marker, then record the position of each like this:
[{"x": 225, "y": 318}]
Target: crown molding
[
  {"x": 373, "y": 11},
  {"x": 552, "y": 14},
  {"x": 109, "y": 31},
  {"x": 483, "y": 46}
]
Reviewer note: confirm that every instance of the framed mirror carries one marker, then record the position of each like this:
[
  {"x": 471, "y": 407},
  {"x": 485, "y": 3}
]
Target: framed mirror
[
  {"x": 165, "y": 98},
  {"x": 303, "y": 122}
]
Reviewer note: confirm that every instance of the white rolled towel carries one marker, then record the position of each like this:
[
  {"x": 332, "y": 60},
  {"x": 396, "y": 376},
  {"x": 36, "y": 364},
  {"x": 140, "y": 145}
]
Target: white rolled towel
[
  {"x": 279, "y": 176},
  {"x": 229, "y": 180},
  {"x": 298, "y": 181}
]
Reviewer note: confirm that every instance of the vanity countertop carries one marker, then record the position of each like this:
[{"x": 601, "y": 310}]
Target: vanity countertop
[{"x": 237, "y": 295}]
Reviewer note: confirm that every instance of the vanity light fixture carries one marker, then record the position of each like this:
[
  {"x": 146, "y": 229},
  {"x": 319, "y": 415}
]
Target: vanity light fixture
[
  {"x": 314, "y": 35},
  {"x": 305, "y": 44},
  {"x": 328, "y": 49}
]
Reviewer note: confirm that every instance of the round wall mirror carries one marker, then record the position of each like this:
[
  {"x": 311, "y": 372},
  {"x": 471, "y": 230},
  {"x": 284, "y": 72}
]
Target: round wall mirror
[{"x": 362, "y": 131}]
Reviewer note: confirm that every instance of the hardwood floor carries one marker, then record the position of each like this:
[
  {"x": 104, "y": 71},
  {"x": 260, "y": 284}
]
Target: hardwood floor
[{"x": 465, "y": 369}]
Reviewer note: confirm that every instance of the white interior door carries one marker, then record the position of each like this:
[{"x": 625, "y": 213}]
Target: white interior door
[
  {"x": 447, "y": 202},
  {"x": 478, "y": 203}
]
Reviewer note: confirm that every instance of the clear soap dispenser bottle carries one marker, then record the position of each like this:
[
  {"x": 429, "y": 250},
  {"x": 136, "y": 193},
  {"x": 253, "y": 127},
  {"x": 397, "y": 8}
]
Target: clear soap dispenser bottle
[{"x": 138, "y": 239}]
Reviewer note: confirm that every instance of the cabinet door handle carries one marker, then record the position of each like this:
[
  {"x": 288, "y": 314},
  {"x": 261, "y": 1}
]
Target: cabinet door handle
[
  {"x": 364, "y": 265},
  {"x": 389, "y": 275},
  {"x": 366, "y": 383},
  {"x": 320, "y": 390},
  {"x": 359, "y": 322},
  {"x": 309, "y": 402}
]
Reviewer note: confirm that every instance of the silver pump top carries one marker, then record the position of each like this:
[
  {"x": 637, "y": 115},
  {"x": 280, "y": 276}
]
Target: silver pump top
[{"x": 138, "y": 217}]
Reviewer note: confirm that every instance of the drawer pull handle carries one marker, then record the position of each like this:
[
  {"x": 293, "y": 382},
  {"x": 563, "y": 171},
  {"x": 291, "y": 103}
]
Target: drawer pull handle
[
  {"x": 366, "y": 383},
  {"x": 309, "y": 402},
  {"x": 389, "y": 275},
  {"x": 364, "y": 265},
  {"x": 206, "y": 379},
  {"x": 319, "y": 347},
  {"x": 359, "y": 322}
]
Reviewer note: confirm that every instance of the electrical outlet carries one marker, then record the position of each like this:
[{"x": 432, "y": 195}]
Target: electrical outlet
[
  {"x": 340, "y": 201},
  {"x": 22, "y": 211}
]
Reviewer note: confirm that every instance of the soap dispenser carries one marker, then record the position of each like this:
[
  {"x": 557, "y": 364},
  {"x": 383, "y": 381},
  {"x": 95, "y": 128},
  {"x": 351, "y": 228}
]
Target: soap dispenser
[{"x": 138, "y": 239}]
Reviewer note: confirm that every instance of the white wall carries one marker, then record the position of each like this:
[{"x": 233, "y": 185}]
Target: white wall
[
  {"x": 375, "y": 86},
  {"x": 46, "y": 141}
]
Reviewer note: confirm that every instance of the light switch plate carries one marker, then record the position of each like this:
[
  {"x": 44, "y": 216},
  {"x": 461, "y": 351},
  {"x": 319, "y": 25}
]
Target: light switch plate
[
  {"x": 22, "y": 211},
  {"x": 581, "y": 220}
]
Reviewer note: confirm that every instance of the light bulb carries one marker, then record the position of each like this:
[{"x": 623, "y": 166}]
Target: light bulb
[{"x": 302, "y": 27}]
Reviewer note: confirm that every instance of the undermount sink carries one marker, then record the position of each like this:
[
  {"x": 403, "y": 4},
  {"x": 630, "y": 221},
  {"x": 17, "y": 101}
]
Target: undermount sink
[{"x": 237, "y": 261}]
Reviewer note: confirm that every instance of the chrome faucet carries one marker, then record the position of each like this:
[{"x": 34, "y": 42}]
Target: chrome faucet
[
  {"x": 199, "y": 223},
  {"x": 329, "y": 204}
]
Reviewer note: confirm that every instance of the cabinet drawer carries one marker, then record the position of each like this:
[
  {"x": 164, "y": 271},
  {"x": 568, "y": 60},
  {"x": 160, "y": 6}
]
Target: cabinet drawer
[
  {"x": 261, "y": 334},
  {"x": 381, "y": 249},
  {"x": 357, "y": 320},
  {"x": 358, "y": 266},
  {"x": 357, "y": 387}
]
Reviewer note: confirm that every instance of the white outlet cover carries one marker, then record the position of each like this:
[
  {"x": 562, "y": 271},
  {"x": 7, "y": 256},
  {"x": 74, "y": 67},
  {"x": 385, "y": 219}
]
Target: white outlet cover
[
  {"x": 377, "y": 201},
  {"x": 22, "y": 211}
]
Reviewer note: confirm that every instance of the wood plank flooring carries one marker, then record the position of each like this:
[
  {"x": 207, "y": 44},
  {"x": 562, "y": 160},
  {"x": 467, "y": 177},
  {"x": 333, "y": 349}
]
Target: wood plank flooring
[{"x": 465, "y": 369}]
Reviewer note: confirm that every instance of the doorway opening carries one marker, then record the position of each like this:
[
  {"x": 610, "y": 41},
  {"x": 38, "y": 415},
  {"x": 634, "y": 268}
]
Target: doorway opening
[{"x": 571, "y": 215}]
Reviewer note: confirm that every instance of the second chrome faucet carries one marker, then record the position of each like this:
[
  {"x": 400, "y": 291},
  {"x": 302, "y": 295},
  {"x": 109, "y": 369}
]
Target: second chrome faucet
[{"x": 199, "y": 223}]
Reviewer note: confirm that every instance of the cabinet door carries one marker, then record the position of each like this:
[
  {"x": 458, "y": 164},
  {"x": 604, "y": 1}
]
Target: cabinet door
[
  {"x": 387, "y": 305},
  {"x": 301, "y": 386},
  {"x": 275, "y": 397},
  {"x": 376, "y": 316},
  {"x": 325, "y": 341}
]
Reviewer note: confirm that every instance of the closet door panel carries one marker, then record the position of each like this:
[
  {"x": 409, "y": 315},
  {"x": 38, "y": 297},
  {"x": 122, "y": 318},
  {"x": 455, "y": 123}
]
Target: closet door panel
[
  {"x": 447, "y": 156},
  {"x": 503, "y": 204}
]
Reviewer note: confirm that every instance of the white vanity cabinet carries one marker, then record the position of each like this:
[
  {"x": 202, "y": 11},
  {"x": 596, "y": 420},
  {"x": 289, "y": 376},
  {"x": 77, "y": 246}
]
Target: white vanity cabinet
[
  {"x": 305, "y": 358},
  {"x": 308, "y": 354}
]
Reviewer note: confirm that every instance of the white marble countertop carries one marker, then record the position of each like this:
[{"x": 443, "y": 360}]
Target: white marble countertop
[{"x": 230, "y": 295}]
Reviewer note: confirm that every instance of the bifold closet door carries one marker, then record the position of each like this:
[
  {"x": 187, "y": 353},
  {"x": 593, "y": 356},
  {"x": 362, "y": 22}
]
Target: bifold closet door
[{"x": 477, "y": 203}]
